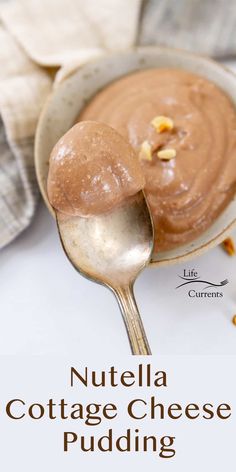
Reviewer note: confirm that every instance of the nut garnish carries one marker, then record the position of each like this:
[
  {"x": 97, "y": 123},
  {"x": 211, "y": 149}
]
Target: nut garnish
[
  {"x": 228, "y": 246},
  {"x": 162, "y": 123},
  {"x": 145, "y": 151},
  {"x": 234, "y": 320},
  {"x": 166, "y": 154}
]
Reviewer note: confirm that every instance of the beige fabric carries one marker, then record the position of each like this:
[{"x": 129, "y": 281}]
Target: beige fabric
[{"x": 41, "y": 33}]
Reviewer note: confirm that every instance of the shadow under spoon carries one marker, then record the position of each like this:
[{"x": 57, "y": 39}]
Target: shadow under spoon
[{"x": 112, "y": 249}]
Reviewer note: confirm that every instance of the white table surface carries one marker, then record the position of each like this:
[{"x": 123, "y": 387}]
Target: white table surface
[{"x": 48, "y": 308}]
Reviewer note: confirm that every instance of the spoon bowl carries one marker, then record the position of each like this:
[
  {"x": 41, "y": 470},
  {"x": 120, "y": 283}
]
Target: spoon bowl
[{"x": 112, "y": 249}]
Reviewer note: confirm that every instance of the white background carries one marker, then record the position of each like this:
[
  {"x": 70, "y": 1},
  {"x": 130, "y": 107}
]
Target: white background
[{"x": 48, "y": 308}]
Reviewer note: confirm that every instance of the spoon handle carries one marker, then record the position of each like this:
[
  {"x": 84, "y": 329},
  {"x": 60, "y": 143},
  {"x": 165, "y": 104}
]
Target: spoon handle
[{"x": 133, "y": 323}]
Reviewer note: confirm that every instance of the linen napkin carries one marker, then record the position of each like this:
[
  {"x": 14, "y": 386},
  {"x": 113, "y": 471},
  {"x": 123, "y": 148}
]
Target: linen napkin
[{"x": 42, "y": 41}]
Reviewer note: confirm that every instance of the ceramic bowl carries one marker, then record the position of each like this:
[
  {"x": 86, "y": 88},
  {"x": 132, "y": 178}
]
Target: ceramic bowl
[{"x": 68, "y": 99}]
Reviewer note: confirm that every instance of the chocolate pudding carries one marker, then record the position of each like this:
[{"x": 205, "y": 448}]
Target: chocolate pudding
[
  {"x": 92, "y": 170},
  {"x": 182, "y": 128}
]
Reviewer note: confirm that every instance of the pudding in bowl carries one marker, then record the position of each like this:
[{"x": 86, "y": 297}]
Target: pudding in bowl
[
  {"x": 183, "y": 129},
  {"x": 73, "y": 95}
]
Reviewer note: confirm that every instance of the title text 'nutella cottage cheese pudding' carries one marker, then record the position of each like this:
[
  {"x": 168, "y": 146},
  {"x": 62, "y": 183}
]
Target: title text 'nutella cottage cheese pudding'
[{"x": 183, "y": 130}]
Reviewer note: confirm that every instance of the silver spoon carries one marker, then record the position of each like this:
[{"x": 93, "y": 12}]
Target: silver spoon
[{"x": 112, "y": 249}]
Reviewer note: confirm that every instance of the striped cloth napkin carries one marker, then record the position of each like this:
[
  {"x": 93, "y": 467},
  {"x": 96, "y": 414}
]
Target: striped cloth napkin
[{"x": 44, "y": 40}]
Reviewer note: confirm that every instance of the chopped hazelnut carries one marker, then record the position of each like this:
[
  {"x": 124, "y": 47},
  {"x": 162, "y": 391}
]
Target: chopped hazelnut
[
  {"x": 166, "y": 154},
  {"x": 162, "y": 123},
  {"x": 145, "y": 152},
  {"x": 228, "y": 246}
]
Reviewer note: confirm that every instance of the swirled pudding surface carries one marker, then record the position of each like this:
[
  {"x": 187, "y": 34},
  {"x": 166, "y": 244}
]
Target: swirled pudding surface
[
  {"x": 188, "y": 191},
  {"x": 92, "y": 169}
]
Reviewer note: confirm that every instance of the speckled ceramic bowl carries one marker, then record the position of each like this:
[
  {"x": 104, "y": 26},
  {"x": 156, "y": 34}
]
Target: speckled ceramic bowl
[{"x": 63, "y": 107}]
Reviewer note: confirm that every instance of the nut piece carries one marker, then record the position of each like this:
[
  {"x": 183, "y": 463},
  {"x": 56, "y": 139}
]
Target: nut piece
[
  {"x": 162, "y": 123},
  {"x": 145, "y": 152},
  {"x": 234, "y": 320},
  {"x": 166, "y": 154},
  {"x": 228, "y": 246}
]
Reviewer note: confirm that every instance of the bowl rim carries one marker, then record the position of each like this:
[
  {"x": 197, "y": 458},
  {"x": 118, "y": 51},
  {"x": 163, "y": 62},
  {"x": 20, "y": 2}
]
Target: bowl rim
[{"x": 199, "y": 250}]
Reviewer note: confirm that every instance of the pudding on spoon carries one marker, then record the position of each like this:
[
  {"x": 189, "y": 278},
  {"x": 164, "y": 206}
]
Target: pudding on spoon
[{"x": 92, "y": 170}]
